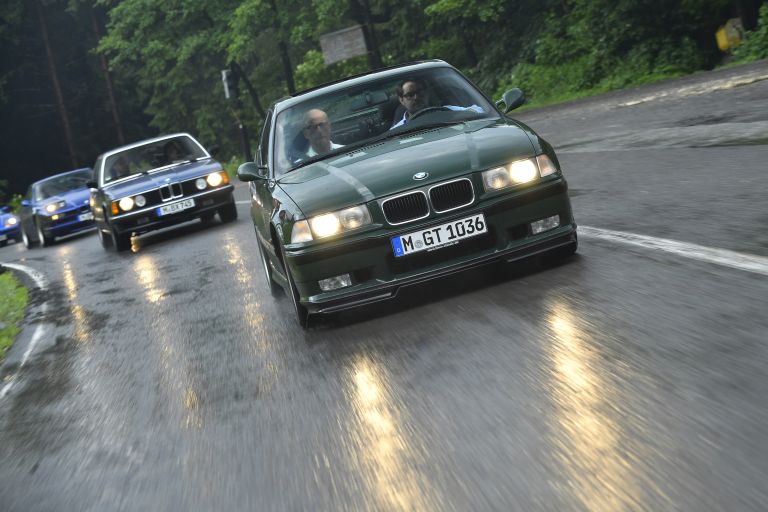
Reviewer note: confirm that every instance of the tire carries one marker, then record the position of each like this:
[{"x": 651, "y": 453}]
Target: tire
[
  {"x": 121, "y": 242},
  {"x": 106, "y": 241},
  {"x": 43, "y": 240},
  {"x": 274, "y": 288},
  {"x": 3, "y": 242},
  {"x": 26, "y": 240},
  {"x": 18, "y": 238},
  {"x": 302, "y": 315},
  {"x": 228, "y": 212}
]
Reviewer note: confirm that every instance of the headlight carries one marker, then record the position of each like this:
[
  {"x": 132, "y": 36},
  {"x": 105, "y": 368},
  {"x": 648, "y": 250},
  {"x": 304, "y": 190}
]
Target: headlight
[
  {"x": 140, "y": 200},
  {"x": 126, "y": 204},
  {"x": 518, "y": 172},
  {"x": 11, "y": 221},
  {"x": 333, "y": 223},
  {"x": 52, "y": 207},
  {"x": 217, "y": 178},
  {"x": 200, "y": 184}
]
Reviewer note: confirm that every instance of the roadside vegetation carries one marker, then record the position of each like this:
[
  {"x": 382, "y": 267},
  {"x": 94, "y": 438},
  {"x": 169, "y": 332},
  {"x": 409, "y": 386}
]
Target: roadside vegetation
[
  {"x": 13, "y": 301},
  {"x": 124, "y": 70}
]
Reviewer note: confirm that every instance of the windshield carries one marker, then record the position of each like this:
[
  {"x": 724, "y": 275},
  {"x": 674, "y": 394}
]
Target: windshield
[
  {"x": 364, "y": 112},
  {"x": 151, "y": 156},
  {"x": 60, "y": 184}
]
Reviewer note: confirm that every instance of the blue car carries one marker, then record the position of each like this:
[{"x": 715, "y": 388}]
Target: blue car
[
  {"x": 56, "y": 206},
  {"x": 9, "y": 227}
]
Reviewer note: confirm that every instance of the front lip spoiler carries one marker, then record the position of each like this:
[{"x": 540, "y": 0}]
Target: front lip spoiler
[{"x": 390, "y": 290}]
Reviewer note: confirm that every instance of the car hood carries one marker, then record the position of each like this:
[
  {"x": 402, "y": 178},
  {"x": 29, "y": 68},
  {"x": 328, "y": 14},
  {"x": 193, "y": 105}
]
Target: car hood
[
  {"x": 155, "y": 179},
  {"x": 74, "y": 198},
  {"x": 388, "y": 167}
]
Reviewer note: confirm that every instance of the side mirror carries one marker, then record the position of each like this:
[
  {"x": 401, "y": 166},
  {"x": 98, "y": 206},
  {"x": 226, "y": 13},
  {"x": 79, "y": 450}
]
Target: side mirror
[
  {"x": 214, "y": 151},
  {"x": 249, "y": 171},
  {"x": 91, "y": 184},
  {"x": 512, "y": 99},
  {"x": 26, "y": 202}
]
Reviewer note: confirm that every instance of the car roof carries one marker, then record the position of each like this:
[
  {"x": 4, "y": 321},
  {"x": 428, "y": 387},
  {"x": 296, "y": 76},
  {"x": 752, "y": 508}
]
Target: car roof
[
  {"x": 146, "y": 141},
  {"x": 354, "y": 80},
  {"x": 62, "y": 174}
]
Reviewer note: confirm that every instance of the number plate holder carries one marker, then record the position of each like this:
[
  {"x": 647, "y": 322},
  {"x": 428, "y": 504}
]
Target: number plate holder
[{"x": 439, "y": 236}]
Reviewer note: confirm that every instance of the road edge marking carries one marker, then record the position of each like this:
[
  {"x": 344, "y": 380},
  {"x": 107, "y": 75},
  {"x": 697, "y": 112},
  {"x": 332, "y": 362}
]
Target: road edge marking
[
  {"x": 724, "y": 257},
  {"x": 42, "y": 285}
]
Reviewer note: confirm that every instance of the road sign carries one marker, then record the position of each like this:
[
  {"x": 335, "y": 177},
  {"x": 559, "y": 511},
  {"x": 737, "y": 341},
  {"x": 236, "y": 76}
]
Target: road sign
[{"x": 343, "y": 44}]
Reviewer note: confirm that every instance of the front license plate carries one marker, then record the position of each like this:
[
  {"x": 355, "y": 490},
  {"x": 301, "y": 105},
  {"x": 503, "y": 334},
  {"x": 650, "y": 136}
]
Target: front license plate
[
  {"x": 85, "y": 216},
  {"x": 175, "y": 207},
  {"x": 436, "y": 237}
]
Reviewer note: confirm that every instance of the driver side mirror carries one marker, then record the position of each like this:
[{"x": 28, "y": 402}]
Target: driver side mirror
[
  {"x": 249, "y": 171},
  {"x": 512, "y": 99}
]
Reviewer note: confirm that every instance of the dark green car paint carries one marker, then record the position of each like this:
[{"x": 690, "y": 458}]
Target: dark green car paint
[{"x": 368, "y": 174}]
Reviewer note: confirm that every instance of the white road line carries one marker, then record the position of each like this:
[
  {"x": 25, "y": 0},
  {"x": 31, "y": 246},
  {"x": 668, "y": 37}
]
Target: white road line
[
  {"x": 42, "y": 284},
  {"x": 724, "y": 257}
]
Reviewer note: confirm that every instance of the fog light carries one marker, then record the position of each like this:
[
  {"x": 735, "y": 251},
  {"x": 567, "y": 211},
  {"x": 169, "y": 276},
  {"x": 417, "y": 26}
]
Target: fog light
[
  {"x": 334, "y": 283},
  {"x": 55, "y": 217},
  {"x": 545, "y": 224}
]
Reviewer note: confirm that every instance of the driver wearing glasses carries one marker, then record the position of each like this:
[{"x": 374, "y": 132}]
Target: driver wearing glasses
[
  {"x": 414, "y": 96},
  {"x": 317, "y": 131}
]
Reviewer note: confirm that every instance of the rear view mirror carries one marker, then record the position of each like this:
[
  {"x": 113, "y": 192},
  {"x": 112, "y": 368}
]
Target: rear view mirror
[{"x": 512, "y": 99}]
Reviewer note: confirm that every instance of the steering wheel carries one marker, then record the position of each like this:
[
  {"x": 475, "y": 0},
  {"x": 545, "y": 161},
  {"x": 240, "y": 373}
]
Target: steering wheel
[{"x": 426, "y": 110}]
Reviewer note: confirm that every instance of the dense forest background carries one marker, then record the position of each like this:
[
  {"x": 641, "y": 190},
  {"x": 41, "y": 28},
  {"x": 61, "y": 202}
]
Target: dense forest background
[{"x": 78, "y": 77}]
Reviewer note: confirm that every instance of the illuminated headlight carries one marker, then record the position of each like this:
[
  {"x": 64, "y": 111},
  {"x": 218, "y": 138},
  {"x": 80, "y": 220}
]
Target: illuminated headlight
[
  {"x": 518, "y": 172},
  {"x": 11, "y": 221},
  {"x": 126, "y": 204},
  {"x": 52, "y": 207},
  {"x": 332, "y": 223},
  {"x": 523, "y": 171},
  {"x": 140, "y": 200},
  {"x": 200, "y": 183},
  {"x": 217, "y": 178}
]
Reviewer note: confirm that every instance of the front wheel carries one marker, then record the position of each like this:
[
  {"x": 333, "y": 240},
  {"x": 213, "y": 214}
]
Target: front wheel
[
  {"x": 121, "y": 242},
  {"x": 106, "y": 240},
  {"x": 302, "y": 315},
  {"x": 43, "y": 240},
  {"x": 25, "y": 239},
  {"x": 228, "y": 212},
  {"x": 273, "y": 286}
]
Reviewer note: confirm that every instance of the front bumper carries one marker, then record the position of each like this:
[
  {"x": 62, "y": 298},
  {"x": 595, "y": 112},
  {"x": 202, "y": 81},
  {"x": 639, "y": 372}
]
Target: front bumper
[
  {"x": 377, "y": 275},
  {"x": 12, "y": 233},
  {"x": 148, "y": 220},
  {"x": 67, "y": 222}
]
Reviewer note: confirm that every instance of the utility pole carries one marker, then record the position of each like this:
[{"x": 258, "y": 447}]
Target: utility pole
[{"x": 230, "y": 78}]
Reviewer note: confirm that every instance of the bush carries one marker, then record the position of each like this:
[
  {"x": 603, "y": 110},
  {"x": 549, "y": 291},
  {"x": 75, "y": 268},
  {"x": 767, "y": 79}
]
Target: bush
[{"x": 755, "y": 45}]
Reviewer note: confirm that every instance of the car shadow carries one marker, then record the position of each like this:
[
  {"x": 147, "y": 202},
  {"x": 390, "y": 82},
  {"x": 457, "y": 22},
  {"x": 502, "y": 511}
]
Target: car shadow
[
  {"x": 441, "y": 289},
  {"x": 163, "y": 235}
]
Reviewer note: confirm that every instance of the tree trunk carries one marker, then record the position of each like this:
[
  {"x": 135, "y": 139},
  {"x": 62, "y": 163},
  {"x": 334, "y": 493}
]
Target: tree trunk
[
  {"x": 283, "y": 47},
  {"x": 108, "y": 83},
  {"x": 56, "y": 85}
]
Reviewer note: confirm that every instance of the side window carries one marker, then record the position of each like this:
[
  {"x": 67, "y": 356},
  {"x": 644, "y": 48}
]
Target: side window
[{"x": 264, "y": 140}]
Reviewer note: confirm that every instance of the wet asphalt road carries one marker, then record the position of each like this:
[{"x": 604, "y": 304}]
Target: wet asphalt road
[{"x": 628, "y": 378}]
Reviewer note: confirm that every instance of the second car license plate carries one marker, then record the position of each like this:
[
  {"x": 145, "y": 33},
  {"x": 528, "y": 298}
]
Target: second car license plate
[
  {"x": 85, "y": 216},
  {"x": 439, "y": 236},
  {"x": 176, "y": 207}
]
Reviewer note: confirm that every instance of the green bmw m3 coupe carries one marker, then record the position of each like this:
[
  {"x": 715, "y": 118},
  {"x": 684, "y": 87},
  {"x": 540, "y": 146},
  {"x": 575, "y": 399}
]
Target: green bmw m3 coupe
[{"x": 398, "y": 176}]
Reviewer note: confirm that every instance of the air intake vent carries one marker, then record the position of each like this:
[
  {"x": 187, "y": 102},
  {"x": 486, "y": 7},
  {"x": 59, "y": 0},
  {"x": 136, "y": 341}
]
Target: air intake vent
[
  {"x": 451, "y": 196},
  {"x": 401, "y": 209}
]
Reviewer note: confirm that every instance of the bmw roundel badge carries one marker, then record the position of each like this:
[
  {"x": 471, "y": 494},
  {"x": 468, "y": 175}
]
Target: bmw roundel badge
[{"x": 420, "y": 176}]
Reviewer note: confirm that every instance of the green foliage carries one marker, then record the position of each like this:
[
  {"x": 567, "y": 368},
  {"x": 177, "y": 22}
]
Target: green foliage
[
  {"x": 13, "y": 301},
  {"x": 755, "y": 45}
]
